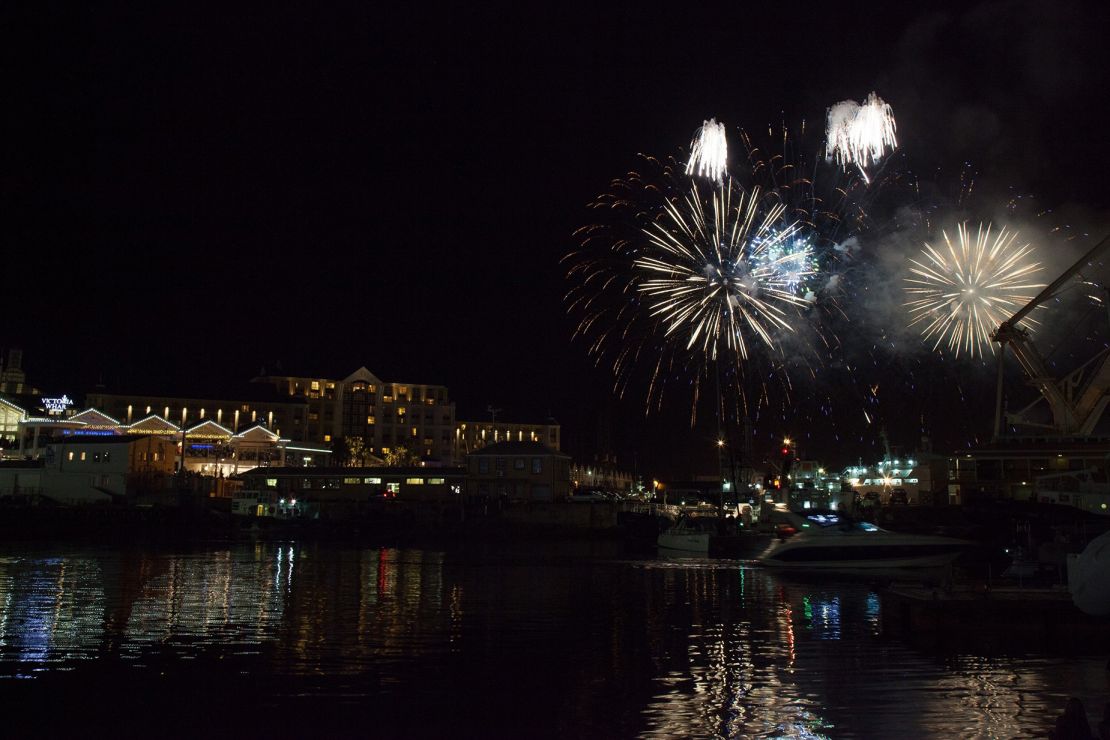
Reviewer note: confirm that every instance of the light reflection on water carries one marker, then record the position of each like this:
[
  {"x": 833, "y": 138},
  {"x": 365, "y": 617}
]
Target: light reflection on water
[{"x": 547, "y": 640}]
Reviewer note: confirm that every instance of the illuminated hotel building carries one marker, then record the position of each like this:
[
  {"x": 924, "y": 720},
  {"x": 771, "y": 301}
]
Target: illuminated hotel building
[{"x": 385, "y": 415}]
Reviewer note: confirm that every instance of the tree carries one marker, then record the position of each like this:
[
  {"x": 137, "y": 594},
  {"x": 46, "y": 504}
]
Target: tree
[
  {"x": 356, "y": 451},
  {"x": 401, "y": 456}
]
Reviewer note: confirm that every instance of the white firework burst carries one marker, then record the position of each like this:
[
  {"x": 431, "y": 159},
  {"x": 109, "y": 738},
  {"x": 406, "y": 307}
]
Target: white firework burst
[
  {"x": 706, "y": 273},
  {"x": 709, "y": 152},
  {"x": 961, "y": 293}
]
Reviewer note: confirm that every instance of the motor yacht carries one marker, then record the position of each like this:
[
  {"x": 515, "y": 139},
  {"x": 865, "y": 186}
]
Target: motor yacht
[{"x": 828, "y": 540}]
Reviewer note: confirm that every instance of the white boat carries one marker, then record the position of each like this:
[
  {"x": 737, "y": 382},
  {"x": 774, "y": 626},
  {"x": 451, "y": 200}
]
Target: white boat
[
  {"x": 827, "y": 540},
  {"x": 688, "y": 534},
  {"x": 1089, "y": 577}
]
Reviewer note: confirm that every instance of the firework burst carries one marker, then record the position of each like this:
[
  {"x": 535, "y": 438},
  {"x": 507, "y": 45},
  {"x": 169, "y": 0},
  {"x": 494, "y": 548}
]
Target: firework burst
[
  {"x": 709, "y": 152},
  {"x": 959, "y": 294},
  {"x": 860, "y": 134},
  {"x": 714, "y": 277},
  {"x": 689, "y": 282}
]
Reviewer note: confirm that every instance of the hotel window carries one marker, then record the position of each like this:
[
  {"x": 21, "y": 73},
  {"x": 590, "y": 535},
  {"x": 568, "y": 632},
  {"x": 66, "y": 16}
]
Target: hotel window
[
  {"x": 372, "y": 481},
  {"x": 414, "y": 432},
  {"x": 371, "y": 420},
  {"x": 518, "y": 463},
  {"x": 96, "y": 457},
  {"x": 82, "y": 455},
  {"x": 385, "y": 450},
  {"x": 435, "y": 481},
  {"x": 69, "y": 456},
  {"x": 537, "y": 465},
  {"x": 316, "y": 385},
  {"x": 483, "y": 464},
  {"x": 414, "y": 481},
  {"x": 352, "y": 481},
  {"x": 327, "y": 438}
]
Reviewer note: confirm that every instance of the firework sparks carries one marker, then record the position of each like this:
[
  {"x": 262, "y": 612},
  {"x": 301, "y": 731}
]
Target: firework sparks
[
  {"x": 961, "y": 293},
  {"x": 709, "y": 152},
  {"x": 713, "y": 277},
  {"x": 860, "y": 134},
  {"x": 791, "y": 260}
]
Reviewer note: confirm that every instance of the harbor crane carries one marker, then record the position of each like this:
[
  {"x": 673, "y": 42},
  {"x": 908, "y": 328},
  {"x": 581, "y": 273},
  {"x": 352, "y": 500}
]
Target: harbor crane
[{"x": 1077, "y": 400}]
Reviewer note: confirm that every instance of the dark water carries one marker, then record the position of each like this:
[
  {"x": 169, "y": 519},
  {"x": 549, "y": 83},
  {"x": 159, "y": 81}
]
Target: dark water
[{"x": 315, "y": 640}]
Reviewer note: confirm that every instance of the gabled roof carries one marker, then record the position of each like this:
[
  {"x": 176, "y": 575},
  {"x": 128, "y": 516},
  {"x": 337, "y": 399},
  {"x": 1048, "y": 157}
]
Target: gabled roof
[
  {"x": 518, "y": 448},
  {"x": 210, "y": 430},
  {"x": 9, "y": 404},
  {"x": 153, "y": 424},
  {"x": 257, "y": 432},
  {"x": 96, "y": 419},
  {"x": 364, "y": 375}
]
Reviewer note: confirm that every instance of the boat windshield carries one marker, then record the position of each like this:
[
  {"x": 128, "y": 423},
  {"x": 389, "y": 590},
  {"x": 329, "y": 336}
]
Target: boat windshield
[{"x": 826, "y": 520}]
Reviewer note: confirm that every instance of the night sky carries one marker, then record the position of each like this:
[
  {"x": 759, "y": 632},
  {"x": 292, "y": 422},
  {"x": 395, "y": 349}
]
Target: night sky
[{"x": 192, "y": 194}]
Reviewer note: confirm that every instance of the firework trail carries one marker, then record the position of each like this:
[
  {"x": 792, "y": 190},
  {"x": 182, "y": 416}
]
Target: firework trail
[
  {"x": 709, "y": 152},
  {"x": 860, "y": 134},
  {"x": 961, "y": 293}
]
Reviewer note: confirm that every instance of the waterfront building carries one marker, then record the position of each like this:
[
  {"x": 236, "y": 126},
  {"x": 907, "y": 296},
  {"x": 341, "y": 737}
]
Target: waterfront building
[
  {"x": 209, "y": 448},
  {"x": 254, "y": 404},
  {"x": 471, "y": 436},
  {"x": 90, "y": 469},
  {"x": 384, "y": 415},
  {"x": 602, "y": 475},
  {"x": 10, "y": 416},
  {"x": 330, "y": 492},
  {"x": 518, "y": 471}
]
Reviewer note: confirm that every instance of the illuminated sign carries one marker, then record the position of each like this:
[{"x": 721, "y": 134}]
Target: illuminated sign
[
  {"x": 57, "y": 406},
  {"x": 887, "y": 481}
]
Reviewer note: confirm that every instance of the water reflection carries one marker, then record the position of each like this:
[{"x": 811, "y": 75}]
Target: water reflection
[{"x": 543, "y": 641}]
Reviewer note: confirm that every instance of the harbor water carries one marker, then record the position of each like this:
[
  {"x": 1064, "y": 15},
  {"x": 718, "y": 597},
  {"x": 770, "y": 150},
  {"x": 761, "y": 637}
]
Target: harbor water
[{"x": 569, "y": 640}]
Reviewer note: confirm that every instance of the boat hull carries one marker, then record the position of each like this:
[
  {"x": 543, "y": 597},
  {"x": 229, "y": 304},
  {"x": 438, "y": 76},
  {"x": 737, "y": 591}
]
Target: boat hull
[
  {"x": 684, "y": 541},
  {"x": 861, "y": 556}
]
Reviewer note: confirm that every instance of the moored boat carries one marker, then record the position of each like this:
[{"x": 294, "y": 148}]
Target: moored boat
[
  {"x": 827, "y": 540},
  {"x": 688, "y": 534}
]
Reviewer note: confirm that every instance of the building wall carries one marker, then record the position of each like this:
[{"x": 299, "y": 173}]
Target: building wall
[{"x": 519, "y": 477}]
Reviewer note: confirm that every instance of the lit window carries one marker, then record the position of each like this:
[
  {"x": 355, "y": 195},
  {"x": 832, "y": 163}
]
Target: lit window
[
  {"x": 370, "y": 420},
  {"x": 385, "y": 450},
  {"x": 414, "y": 431},
  {"x": 372, "y": 481},
  {"x": 271, "y": 482},
  {"x": 352, "y": 481},
  {"x": 414, "y": 481},
  {"x": 435, "y": 481},
  {"x": 327, "y": 438},
  {"x": 82, "y": 455},
  {"x": 69, "y": 456}
]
